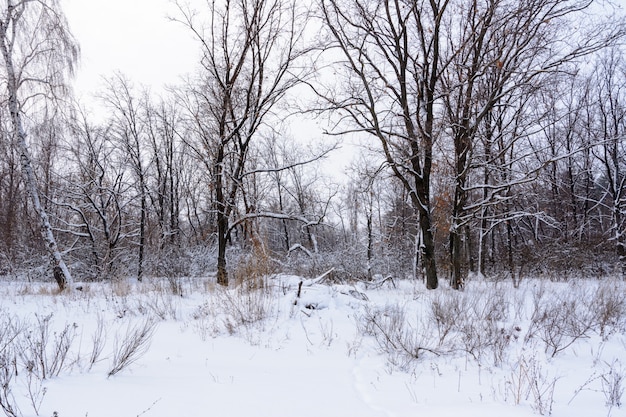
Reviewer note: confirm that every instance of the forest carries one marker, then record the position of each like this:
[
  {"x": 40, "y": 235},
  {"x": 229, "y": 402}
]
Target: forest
[
  {"x": 345, "y": 208},
  {"x": 488, "y": 139}
]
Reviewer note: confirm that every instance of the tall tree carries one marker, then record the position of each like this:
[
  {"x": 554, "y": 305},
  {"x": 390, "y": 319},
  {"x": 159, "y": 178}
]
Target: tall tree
[
  {"x": 167, "y": 161},
  {"x": 96, "y": 197},
  {"x": 250, "y": 59},
  {"x": 129, "y": 128},
  {"x": 39, "y": 52},
  {"x": 499, "y": 49},
  {"x": 389, "y": 69},
  {"x": 611, "y": 150},
  {"x": 11, "y": 188}
]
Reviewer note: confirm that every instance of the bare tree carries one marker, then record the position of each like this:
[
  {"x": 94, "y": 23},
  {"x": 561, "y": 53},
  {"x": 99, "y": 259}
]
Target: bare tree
[
  {"x": 250, "y": 60},
  {"x": 611, "y": 150},
  {"x": 365, "y": 196},
  {"x": 167, "y": 162},
  {"x": 294, "y": 198},
  {"x": 38, "y": 52},
  {"x": 96, "y": 197},
  {"x": 11, "y": 189},
  {"x": 275, "y": 153},
  {"x": 391, "y": 53},
  {"x": 131, "y": 132},
  {"x": 499, "y": 49}
]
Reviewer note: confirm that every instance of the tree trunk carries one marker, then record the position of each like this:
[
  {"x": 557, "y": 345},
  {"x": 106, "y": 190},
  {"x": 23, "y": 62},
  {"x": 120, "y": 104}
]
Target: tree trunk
[
  {"x": 509, "y": 244},
  {"x": 455, "y": 254},
  {"x": 482, "y": 245},
  {"x": 60, "y": 270},
  {"x": 222, "y": 219},
  {"x": 428, "y": 252},
  {"x": 416, "y": 253},
  {"x": 469, "y": 249},
  {"x": 462, "y": 148},
  {"x": 620, "y": 229},
  {"x": 284, "y": 222},
  {"x": 222, "y": 238},
  {"x": 370, "y": 244},
  {"x": 142, "y": 232}
]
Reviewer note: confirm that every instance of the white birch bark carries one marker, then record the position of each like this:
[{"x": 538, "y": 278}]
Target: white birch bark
[{"x": 14, "y": 13}]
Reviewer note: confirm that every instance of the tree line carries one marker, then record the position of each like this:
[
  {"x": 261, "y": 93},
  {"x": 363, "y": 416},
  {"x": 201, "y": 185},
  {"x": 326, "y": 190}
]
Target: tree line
[{"x": 491, "y": 132}]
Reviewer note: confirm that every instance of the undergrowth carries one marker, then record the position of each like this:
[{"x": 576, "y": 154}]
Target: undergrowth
[{"x": 516, "y": 331}]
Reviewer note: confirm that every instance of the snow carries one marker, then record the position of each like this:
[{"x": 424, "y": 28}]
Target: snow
[{"x": 265, "y": 352}]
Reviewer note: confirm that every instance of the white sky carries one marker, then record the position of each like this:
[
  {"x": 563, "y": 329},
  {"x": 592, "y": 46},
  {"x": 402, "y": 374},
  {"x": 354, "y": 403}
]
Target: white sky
[
  {"x": 136, "y": 38},
  {"x": 131, "y": 36}
]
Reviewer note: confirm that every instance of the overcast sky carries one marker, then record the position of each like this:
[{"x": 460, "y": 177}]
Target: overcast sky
[
  {"x": 131, "y": 36},
  {"x": 136, "y": 38}
]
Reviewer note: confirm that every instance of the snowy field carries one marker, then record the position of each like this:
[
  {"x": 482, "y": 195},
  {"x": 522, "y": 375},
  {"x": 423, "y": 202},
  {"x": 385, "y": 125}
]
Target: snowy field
[{"x": 281, "y": 348}]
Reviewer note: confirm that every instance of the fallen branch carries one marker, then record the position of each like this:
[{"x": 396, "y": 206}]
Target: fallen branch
[
  {"x": 379, "y": 283},
  {"x": 322, "y": 277}
]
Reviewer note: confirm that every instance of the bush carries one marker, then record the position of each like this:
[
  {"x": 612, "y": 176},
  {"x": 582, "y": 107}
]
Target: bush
[{"x": 403, "y": 340}]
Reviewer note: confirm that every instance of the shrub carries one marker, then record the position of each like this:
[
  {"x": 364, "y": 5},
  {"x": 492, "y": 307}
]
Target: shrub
[
  {"x": 562, "y": 320},
  {"x": 401, "y": 339}
]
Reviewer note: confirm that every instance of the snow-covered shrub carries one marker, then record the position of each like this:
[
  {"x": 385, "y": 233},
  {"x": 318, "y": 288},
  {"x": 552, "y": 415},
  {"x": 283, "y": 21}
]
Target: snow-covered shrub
[
  {"x": 473, "y": 321},
  {"x": 204, "y": 320},
  {"x": 98, "y": 340},
  {"x": 561, "y": 319},
  {"x": 202, "y": 260},
  {"x": 169, "y": 261},
  {"x": 246, "y": 305},
  {"x": 446, "y": 312},
  {"x": 251, "y": 268},
  {"x": 558, "y": 261},
  {"x": 31, "y": 352},
  {"x": 613, "y": 384},
  {"x": 608, "y": 305},
  {"x": 157, "y": 297},
  {"x": 403, "y": 340},
  {"x": 483, "y": 326},
  {"x": 348, "y": 264},
  {"x": 7, "y": 375},
  {"x": 530, "y": 381},
  {"x": 10, "y": 330},
  {"x": 241, "y": 309},
  {"x": 44, "y": 351}
]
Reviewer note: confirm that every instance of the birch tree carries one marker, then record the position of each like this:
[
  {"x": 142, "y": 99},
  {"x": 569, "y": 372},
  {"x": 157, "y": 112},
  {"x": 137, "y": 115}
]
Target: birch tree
[{"x": 38, "y": 53}]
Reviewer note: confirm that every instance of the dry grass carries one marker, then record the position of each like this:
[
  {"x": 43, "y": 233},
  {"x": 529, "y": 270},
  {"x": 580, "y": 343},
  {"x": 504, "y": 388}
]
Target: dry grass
[
  {"x": 401, "y": 339},
  {"x": 528, "y": 380},
  {"x": 516, "y": 331},
  {"x": 132, "y": 345},
  {"x": 488, "y": 327}
]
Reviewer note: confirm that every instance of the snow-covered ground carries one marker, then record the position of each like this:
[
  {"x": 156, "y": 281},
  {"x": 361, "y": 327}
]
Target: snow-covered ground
[{"x": 394, "y": 349}]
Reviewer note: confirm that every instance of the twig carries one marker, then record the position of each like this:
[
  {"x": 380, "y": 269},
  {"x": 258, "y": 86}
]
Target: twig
[{"x": 149, "y": 408}]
